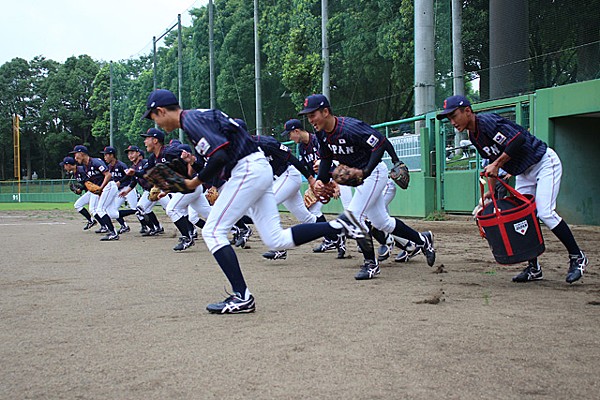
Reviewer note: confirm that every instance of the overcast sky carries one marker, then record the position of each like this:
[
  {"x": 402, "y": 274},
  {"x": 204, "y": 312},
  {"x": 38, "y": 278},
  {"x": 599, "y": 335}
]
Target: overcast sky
[{"x": 109, "y": 30}]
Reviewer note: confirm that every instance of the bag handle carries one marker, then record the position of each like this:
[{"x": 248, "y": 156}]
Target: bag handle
[{"x": 512, "y": 190}]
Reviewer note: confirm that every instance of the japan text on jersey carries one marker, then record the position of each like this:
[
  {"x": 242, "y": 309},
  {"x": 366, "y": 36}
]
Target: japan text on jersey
[
  {"x": 94, "y": 171},
  {"x": 351, "y": 142},
  {"x": 494, "y": 133},
  {"x": 309, "y": 153}
]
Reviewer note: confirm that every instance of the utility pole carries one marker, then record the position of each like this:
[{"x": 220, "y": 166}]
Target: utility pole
[
  {"x": 179, "y": 69},
  {"x": 458, "y": 66},
  {"x": 110, "y": 69},
  {"x": 211, "y": 54},
  {"x": 424, "y": 58},
  {"x": 259, "y": 127},
  {"x": 325, "y": 47}
]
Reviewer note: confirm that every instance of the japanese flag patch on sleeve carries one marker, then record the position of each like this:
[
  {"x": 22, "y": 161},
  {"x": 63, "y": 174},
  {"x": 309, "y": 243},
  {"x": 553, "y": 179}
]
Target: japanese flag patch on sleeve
[
  {"x": 203, "y": 147},
  {"x": 499, "y": 138},
  {"x": 372, "y": 141}
]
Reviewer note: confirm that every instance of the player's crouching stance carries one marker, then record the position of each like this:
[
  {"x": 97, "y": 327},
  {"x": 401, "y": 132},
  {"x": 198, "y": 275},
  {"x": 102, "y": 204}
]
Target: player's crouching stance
[
  {"x": 233, "y": 154},
  {"x": 359, "y": 149}
]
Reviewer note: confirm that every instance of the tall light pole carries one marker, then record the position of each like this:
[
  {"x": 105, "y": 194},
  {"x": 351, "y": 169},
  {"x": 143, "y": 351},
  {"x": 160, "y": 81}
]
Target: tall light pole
[
  {"x": 179, "y": 68},
  {"x": 325, "y": 48},
  {"x": 110, "y": 79},
  {"x": 211, "y": 54},
  {"x": 259, "y": 127}
]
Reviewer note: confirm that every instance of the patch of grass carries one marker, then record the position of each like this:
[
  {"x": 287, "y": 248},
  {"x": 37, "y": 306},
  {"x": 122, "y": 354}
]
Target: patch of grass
[
  {"x": 486, "y": 298},
  {"x": 34, "y": 206},
  {"x": 436, "y": 216}
]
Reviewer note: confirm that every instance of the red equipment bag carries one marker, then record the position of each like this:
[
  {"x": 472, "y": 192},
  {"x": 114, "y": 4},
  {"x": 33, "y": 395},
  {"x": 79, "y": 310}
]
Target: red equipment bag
[{"x": 511, "y": 226}]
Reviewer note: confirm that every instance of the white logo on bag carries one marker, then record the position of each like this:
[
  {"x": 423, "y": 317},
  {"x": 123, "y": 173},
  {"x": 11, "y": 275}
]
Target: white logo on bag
[{"x": 521, "y": 227}]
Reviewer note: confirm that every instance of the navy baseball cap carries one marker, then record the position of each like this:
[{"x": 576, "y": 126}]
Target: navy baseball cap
[
  {"x": 109, "y": 150},
  {"x": 314, "y": 102},
  {"x": 241, "y": 123},
  {"x": 79, "y": 149},
  {"x": 67, "y": 161},
  {"x": 186, "y": 147},
  {"x": 159, "y": 98},
  {"x": 451, "y": 104},
  {"x": 291, "y": 125},
  {"x": 174, "y": 142},
  {"x": 155, "y": 133},
  {"x": 133, "y": 147}
]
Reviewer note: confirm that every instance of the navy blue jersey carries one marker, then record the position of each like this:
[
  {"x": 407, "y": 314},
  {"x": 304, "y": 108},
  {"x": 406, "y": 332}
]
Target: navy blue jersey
[
  {"x": 276, "y": 153},
  {"x": 494, "y": 133},
  {"x": 166, "y": 154},
  {"x": 212, "y": 130},
  {"x": 118, "y": 174},
  {"x": 351, "y": 142},
  {"x": 79, "y": 174},
  {"x": 309, "y": 153},
  {"x": 94, "y": 171},
  {"x": 140, "y": 169}
]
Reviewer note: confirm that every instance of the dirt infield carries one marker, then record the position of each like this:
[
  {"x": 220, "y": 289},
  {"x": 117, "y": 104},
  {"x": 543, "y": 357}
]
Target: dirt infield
[{"x": 84, "y": 319}]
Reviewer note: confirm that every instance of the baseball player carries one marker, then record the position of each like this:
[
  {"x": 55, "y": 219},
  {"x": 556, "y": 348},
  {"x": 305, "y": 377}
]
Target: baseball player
[
  {"x": 69, "y": 165},
  {"x": 537, "y": 168},
  {"x": 97, "y": 172},
  {"x": 386, "y": 240},
  {"x": 356, "y": 144},
  {"x": 308, "y": 154},
  {"x": 235, "y": 157},
  {"x": 288, "y": 172},
  {"x": 117, "y": 169},
  {"x": 136, "y": 157},
  {"x": 154, "y": 140},
  {"x": 180, "y": 204}
]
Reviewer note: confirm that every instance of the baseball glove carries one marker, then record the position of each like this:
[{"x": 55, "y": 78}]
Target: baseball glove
[
  {"x": 347, "y": 176},
  {"x": 179, "y": 166},
  {"x": 328, "y": 191},
  {"x": 76, "y": 187},
  {"x": 92, "y": 187},
  {"x": 310, "y": 198},
  {"x": 212, "y": 194},
  {"x": 166, "y": 179},
  {"x": 399, "y": 173},
  {"x": 154, "y": 192}
]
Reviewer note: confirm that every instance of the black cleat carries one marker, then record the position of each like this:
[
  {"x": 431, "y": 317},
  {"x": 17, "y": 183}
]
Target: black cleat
[
  {"x": 234, "y": 304},
  {"x": 427, "y": 248},
  {"x": 89, "y": 224},
  {"x": 275, "y": 255},
  {"x": 406, "y": 255},
  {"x": 533, "y": 272},
  {"x": 110, "y": 236},
  {"x": 325, "y": 245},
  {"x": 124, "y": 229},
  {"x": 369, "y": 270},
  {"x": 243, "y": 237},
  {"x": 577, "y": 264},
  {"x": 184, "y": 243}
]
